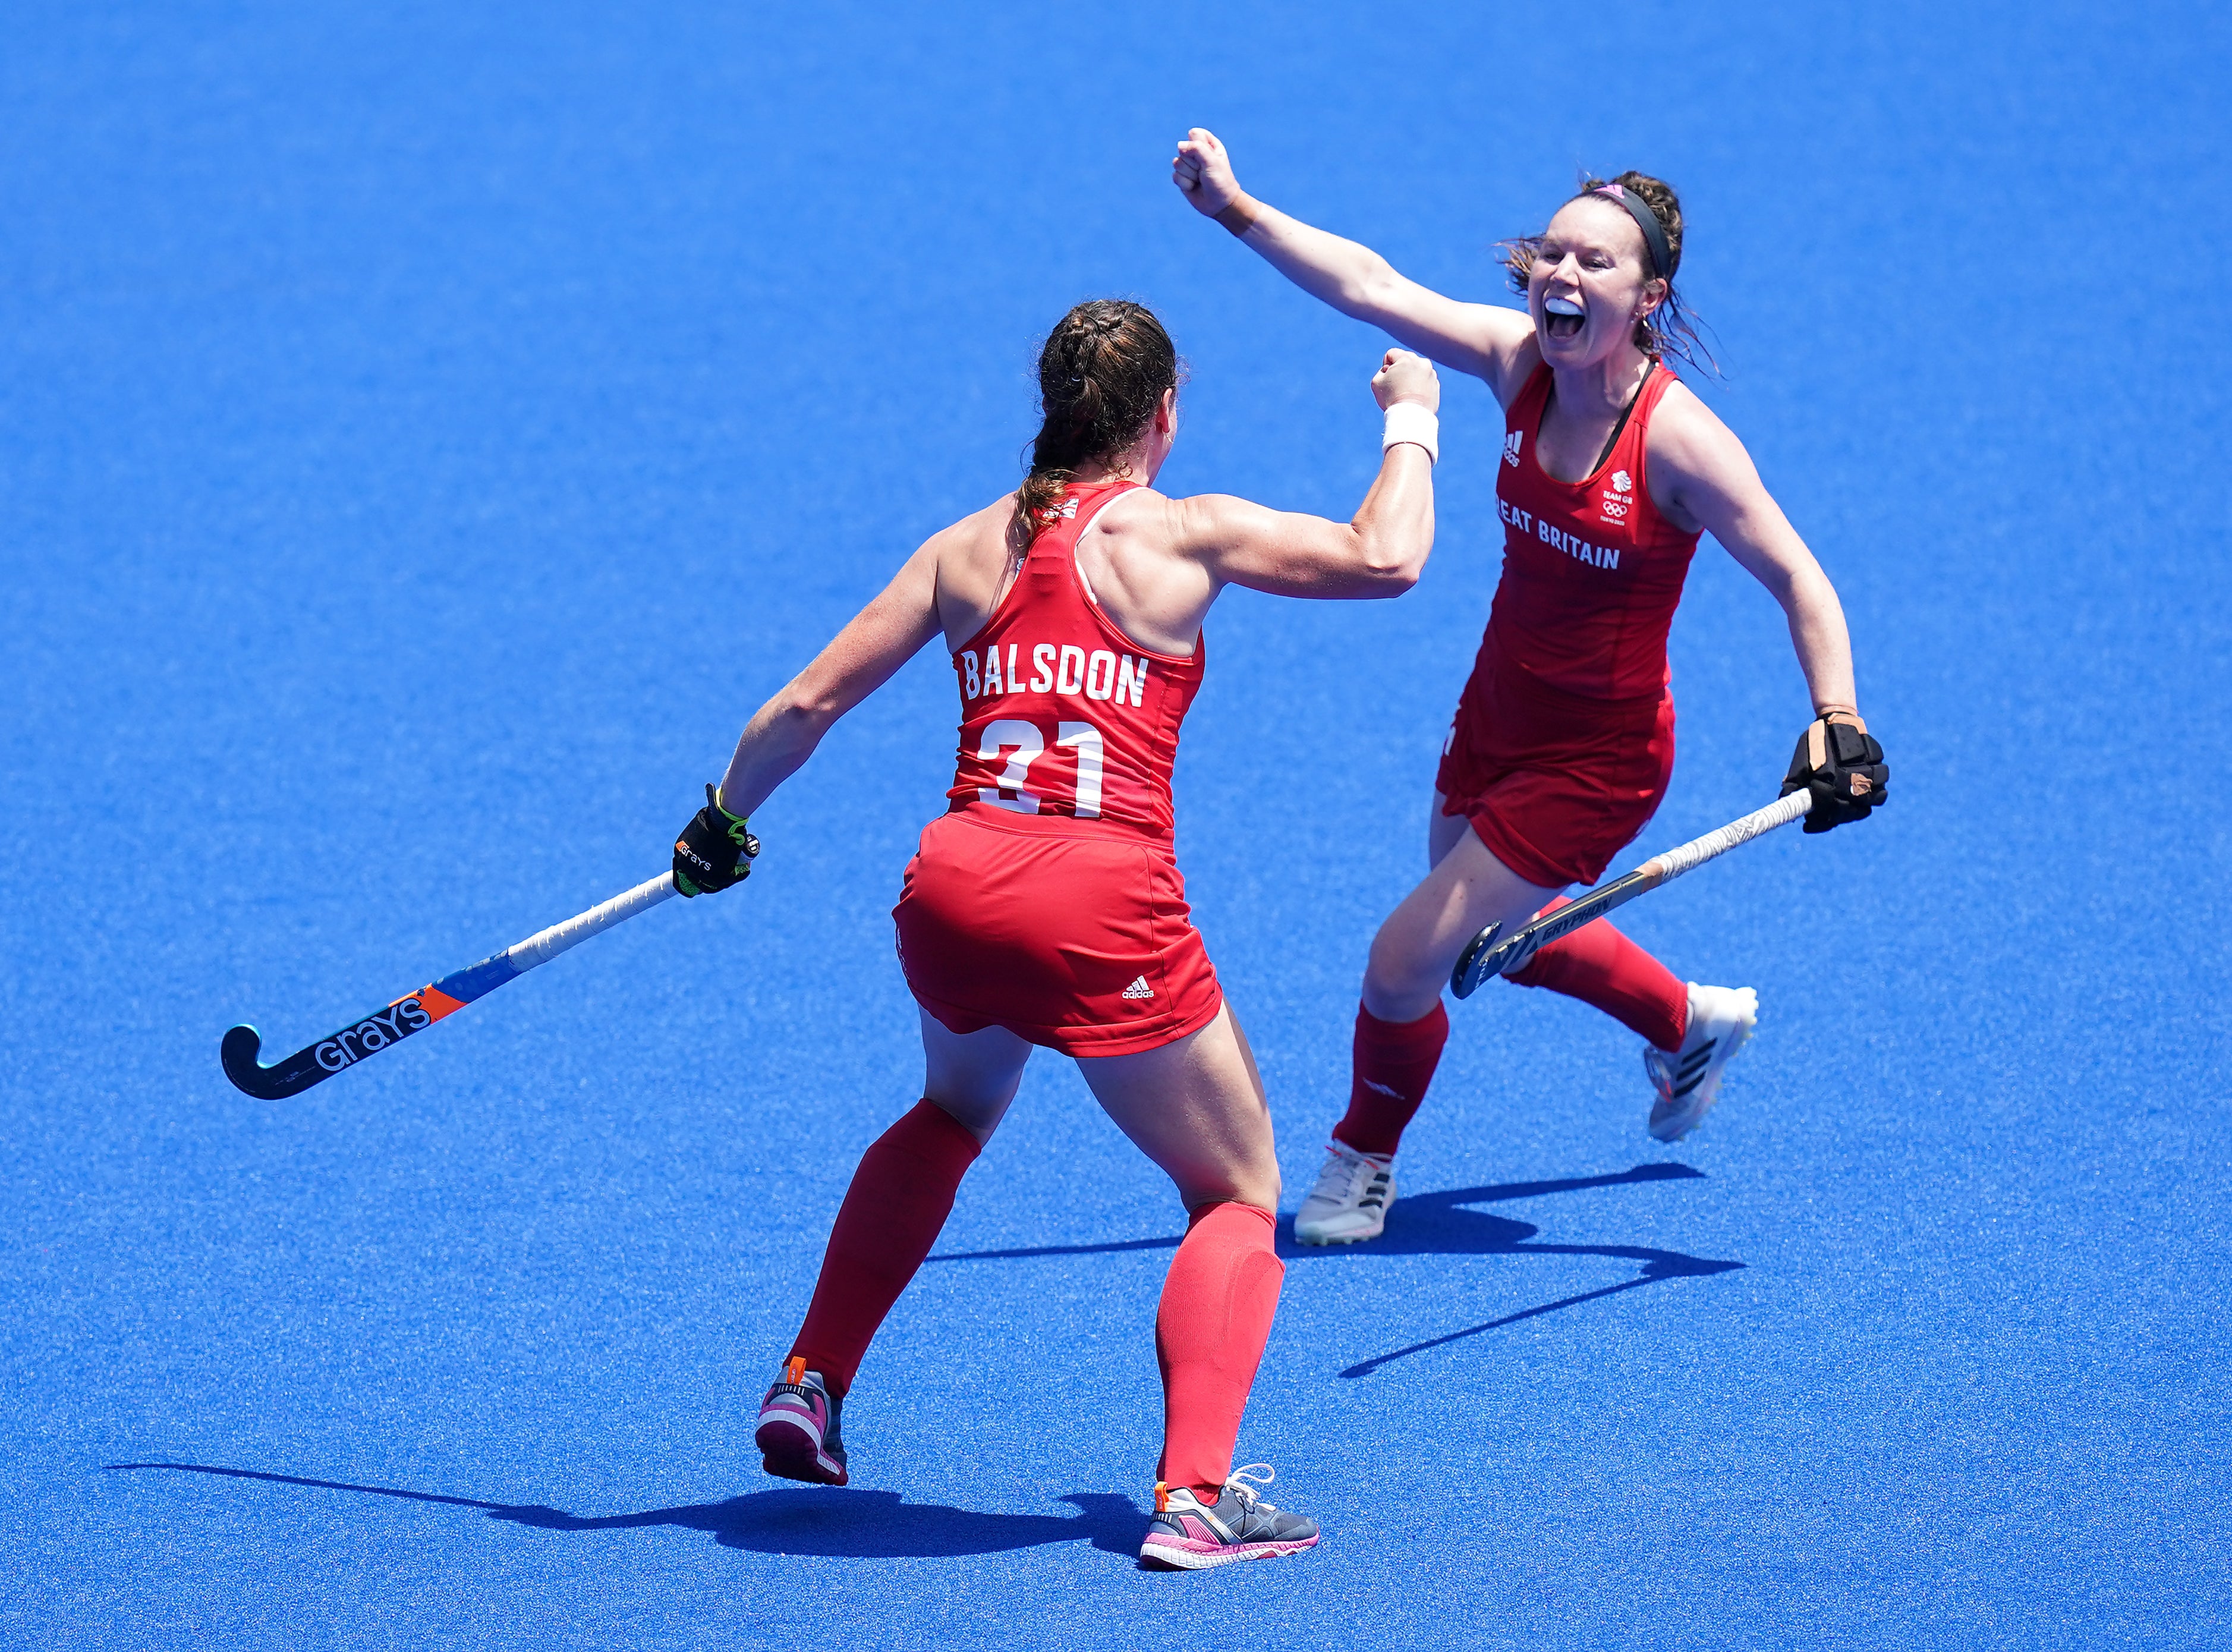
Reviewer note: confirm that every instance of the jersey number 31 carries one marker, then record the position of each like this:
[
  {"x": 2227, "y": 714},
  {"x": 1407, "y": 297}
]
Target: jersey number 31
[{"x": 1022, "y": 742}]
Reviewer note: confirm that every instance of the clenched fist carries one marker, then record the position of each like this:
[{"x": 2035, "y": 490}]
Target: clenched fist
[
  {"x": 1202, "y": 172},
  {"x": 1405, "y": 377}
]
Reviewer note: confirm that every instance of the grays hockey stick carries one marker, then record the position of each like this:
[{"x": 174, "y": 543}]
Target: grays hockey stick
[
  {"x": 1489, "y": 956},
  {"x": 416, "y": 1012}
]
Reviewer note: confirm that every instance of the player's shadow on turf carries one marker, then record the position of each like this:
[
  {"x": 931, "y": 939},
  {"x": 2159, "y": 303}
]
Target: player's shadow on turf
[
  {"x": 1440, "y": 1224},
  {"x": 847, "y": 1524},
  {"x": 856, "y": 1523}
]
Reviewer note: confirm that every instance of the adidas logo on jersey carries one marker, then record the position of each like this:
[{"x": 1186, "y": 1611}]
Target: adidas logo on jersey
[
  {"x": 1511, "y": 440},
  {"x": 1139, "y": 989}
]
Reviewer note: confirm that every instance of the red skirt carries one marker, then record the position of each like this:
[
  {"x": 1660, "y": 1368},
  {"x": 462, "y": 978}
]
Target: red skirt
[
  {"x": 1554, "y": 785},
  {"x": 1074, "y": 935}
]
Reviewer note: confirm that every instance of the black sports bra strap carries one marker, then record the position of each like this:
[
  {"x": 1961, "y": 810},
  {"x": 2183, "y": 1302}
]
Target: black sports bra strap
[{"x": 1625, "y": 413}]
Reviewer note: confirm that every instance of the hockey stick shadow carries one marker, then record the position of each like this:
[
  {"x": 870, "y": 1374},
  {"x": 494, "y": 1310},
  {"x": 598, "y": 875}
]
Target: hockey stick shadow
[
  {"x": 1440, "y": 1224},
  {"x": 1437, "y": 1224},
  {"x": 1664, "y": 1264},
  {"x": 826, "y": 1523}
]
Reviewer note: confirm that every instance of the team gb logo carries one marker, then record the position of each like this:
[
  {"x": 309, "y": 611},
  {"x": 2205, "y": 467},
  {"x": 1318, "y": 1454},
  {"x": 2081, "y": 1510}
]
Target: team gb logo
[{"x": 1622, "y": 482}]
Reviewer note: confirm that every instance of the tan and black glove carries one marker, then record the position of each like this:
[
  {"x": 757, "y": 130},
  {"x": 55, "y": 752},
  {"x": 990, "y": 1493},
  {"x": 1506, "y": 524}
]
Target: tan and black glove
[{"x": 1839, "y": 761}]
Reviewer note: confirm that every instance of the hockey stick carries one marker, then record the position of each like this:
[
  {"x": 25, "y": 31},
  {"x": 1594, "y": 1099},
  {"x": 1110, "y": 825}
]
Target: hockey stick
[
  {"x": 415, "y": 1011},
  {"x": 1486, "y": 956}
]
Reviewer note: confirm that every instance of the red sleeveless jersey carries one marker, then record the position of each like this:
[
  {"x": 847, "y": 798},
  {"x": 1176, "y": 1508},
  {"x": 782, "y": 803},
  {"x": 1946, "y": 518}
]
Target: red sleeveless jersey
[
  {"x": 1591, "y": 572},
  {"x": 1062, "y": 713}
]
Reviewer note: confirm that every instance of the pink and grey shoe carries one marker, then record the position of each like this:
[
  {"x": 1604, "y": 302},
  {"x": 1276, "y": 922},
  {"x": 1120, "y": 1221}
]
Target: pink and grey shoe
[
  {"x": 1188, "y": 1534},
  {"x": 798, "y": 1436}
]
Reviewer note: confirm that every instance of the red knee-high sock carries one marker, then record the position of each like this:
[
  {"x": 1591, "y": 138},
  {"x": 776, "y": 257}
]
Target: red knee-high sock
[
  {"x": 900, "y": 1196},
  {"x": 1600, "y": 966},
  {"x": 1210, "y": 1332},
  {"x": 1392, "y": 1064}
]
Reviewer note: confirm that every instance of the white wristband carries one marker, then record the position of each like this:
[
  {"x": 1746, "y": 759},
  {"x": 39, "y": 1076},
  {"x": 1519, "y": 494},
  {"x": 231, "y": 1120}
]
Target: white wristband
[{"x": 1408, "y": 422}]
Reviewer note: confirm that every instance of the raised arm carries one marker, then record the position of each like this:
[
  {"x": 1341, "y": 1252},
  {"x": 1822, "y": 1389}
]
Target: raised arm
[
  {"x": 880, "y": 638},
  {"x": 1483, "y": 340},
  {"x": 1379, "y": 552}
]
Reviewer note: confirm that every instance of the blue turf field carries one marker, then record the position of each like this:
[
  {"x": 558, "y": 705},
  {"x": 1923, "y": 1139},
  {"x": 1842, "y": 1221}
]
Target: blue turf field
[{"x": 426, "y": 440}]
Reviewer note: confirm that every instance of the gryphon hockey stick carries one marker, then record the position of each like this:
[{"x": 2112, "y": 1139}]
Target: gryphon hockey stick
[
  {"x": 415, "y": 1011},
  {"x": 1488, "y": 956}
]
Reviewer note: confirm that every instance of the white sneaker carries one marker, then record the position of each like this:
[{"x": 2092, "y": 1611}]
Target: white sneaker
[
  {"x": 1351, "y": 1200},
  {"x": 1689, "y": 1081}
]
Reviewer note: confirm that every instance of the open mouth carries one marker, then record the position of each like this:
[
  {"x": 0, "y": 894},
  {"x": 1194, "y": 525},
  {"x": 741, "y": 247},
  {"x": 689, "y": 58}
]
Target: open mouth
[{"x": 1562, "y": 317}]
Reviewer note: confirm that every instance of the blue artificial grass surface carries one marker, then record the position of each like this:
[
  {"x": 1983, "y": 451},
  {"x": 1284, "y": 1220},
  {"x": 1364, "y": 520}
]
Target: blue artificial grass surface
[{"x": 428, "y": 437}]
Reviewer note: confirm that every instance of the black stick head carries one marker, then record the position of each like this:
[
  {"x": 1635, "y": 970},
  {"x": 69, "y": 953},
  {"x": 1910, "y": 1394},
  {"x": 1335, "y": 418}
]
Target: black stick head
[
  {"x": 242, "y": 1045},
  {"x": 239, "y": 1054},
  {"x": 1472, "y": 966},
  {"x": 1489, "y": 957}
]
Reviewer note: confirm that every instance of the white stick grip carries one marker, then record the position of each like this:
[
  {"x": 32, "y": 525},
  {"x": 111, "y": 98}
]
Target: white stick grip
[
  {"x": 1698, "y": 850},
  {"x": 542, "y": 948}
]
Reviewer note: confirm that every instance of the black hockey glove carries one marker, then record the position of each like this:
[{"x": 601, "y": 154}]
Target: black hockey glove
[
  {"x": 714, "y": 851},
  {"x": 1841, "y": 764}
]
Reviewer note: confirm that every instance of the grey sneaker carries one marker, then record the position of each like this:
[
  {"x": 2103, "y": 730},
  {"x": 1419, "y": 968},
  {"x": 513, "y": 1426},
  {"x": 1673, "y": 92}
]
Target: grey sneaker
[
  {"x": 1689, "y": 1080},
  {"x": 1189, "y": 1535},
  {"x": 1351, "y": 1200}
]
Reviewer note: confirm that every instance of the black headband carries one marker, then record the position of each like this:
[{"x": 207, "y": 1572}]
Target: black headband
[{"x": 1654, "y": 233}]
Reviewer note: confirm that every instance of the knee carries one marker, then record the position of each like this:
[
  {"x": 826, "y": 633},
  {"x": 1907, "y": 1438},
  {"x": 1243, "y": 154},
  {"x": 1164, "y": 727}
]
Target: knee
[
  {"x": 1399, "y": 986},
  {"x": 978, "y": 1116},
  {"x": 1263, "y": 1188},
  {"x": 1254, "y": 1181},
  {"x": 1390, "y": 965}
]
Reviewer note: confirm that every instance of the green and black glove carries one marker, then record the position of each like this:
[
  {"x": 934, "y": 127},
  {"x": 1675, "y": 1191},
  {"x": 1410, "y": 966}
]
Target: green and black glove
[
  {"x": 715, "y": 851},
  {"x": 1841, "y": 764}
]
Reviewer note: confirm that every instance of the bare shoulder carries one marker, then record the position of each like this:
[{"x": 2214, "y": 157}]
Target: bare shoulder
[
  {"x": 1517, "y": 353},
  {"x": 1136, "y": 558},
  {"x": 967, "y": 564},
  {"x": 969, "y": 535},
  {"x": 1700, "y": 475},
  {"x": 974, "y": 548},
  {"x": 1133, "y": 533},
  {"x": 1138, "y": 513},
  {"x": 1688, "y": 439},
  {"x": 1211, "y": 521}
]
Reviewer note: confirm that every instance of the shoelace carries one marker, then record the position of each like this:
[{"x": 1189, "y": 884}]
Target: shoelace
[
  {"x": 1246, "y": 1484},
  {"x": 1340, "y": 1180}
]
